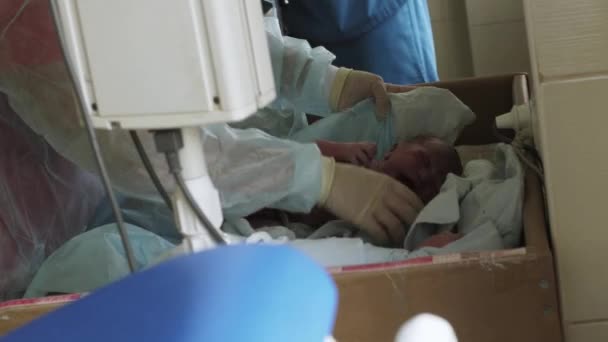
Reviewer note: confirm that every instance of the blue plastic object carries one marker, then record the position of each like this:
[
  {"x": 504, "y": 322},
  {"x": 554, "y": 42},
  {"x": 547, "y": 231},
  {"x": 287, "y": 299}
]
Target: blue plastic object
[{"x": 234, "y": 293}]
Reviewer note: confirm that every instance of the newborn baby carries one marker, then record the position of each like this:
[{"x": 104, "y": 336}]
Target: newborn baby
[{"x": 422, "y": 163}]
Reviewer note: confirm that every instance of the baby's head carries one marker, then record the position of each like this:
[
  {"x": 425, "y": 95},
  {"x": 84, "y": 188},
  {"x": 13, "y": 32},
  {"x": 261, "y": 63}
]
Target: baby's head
[{"x": 422, "y": 164}]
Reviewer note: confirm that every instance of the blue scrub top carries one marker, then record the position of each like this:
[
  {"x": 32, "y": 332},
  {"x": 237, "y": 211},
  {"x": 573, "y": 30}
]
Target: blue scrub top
[{"x": 392, "y": 38}]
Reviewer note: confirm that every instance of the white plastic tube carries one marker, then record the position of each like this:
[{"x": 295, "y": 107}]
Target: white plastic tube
[{"x": 519, "y": 118}]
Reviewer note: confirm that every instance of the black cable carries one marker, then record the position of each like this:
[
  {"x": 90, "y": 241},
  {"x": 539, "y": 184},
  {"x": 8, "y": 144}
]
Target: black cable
[
  {"x": 500, "y": 136},
  {"x": 97, "y": 152},
  {"x": 278, "y": 5},
  {"x": 528, "y": 148},
  {"x": 175, "y": 169},
  {"x": 109, "y": 191},
  {"x": 532, "y": 151},
  {"x": 150, "y": 169}
]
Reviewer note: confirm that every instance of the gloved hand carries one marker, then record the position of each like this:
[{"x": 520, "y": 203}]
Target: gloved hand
[
  {"x": 360, "y": 154},
  {"x": 376, "y": 203},
  {"x": 353, "y": 86}
]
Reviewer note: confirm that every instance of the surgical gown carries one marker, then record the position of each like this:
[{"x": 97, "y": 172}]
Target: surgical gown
[{"x": 251, "y": 169}]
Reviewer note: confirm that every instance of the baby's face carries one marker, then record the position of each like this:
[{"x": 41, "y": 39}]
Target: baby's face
[{"x": 422, "y": 164}]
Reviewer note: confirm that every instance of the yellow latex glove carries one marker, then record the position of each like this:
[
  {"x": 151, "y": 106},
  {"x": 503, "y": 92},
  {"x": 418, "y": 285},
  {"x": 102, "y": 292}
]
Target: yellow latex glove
[
  {"x": 374, "y": 202},
  {"x": 353, "y": 86}
]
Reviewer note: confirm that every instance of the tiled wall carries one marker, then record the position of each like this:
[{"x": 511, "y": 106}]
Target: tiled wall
[
  {"x": 479, "y": 37},
  {"x": 570, "y": 48},
  {"x": 452, "y": 45},
  {"x": 498, "y": 36}
]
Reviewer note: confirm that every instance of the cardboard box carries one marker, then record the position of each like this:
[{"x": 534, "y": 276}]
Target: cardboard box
[
  {"x": 508, "y": 295},
  {"x": 16, "y": 313},
  {"x": 497, "y": 296}
]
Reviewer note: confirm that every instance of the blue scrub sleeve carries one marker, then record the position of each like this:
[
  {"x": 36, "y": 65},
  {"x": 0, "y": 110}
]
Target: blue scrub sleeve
[{"x": 391, "y": 38}]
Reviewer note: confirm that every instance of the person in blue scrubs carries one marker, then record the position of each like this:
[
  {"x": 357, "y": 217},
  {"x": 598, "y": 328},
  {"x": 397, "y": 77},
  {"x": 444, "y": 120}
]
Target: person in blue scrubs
[{"x": 391, "y": 38}]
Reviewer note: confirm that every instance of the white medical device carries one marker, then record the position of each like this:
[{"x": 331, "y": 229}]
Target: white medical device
[{"x": 167, "y": 64}]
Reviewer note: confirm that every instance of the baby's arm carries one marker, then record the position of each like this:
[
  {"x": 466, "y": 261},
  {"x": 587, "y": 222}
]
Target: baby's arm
[
  {"x": 352, "y": 153},
  {"x": 440, "y": 240}
]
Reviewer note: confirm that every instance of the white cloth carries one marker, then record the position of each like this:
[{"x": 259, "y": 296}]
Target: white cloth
[{"x": 488, "y": 198}]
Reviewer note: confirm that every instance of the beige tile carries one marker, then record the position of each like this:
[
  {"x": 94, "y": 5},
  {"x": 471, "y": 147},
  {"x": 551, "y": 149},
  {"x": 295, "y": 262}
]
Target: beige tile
[
  {"x": 436, "y": 10},
  {"x": 499, "y": 48},
  {"x": 455, "y": 10},
  {"x": 441, "y": 48},
  {"x": 494, "y": 11},
  {"x": 571, "y": 37},
  {"x": 587, "y": 332},
  {"x": 574, "y": 153},
  {"x": 452, "y": 49}
]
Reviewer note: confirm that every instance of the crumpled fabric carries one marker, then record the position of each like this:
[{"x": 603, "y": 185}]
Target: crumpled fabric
[
  {"x": 241, "y": 227},
  {"x": 94, "y": 259},
  {"x": 425, "y": 110},
  {"x": 150, "y": 214},
  {"x": 301, "y": 73},
  {"x": 489, "y": 196},
  {"x": 44, "y": 201}
]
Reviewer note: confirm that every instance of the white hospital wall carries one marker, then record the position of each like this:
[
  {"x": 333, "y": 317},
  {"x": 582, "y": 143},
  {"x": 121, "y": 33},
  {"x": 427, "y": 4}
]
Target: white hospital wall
[
  {"x": 479, "y": 37},
  {"x": 569, "y": 45},
  {"x": 451, "y": 36},
  {"x": 498, "y": 36}
]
